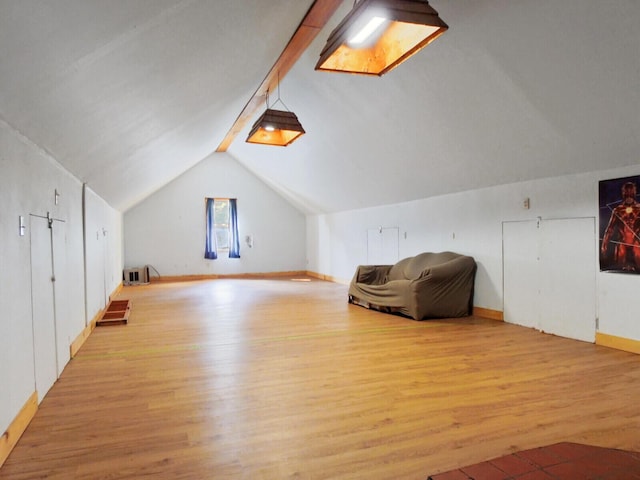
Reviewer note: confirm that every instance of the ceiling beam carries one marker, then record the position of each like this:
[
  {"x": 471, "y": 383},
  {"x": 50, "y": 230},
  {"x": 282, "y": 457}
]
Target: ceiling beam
[{"x": 316, "y": 18}]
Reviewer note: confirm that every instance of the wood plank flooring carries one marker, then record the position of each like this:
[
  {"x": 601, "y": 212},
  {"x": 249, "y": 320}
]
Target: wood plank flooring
[{"x": 280, "y": 379}]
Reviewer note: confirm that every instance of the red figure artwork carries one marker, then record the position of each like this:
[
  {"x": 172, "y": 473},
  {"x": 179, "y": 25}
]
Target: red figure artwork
[{"x": 620, "y": 225}]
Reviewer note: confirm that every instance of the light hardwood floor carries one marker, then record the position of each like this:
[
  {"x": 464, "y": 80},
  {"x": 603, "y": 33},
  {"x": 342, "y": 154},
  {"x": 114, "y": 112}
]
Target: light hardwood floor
[{"x": 277, "y": 379}]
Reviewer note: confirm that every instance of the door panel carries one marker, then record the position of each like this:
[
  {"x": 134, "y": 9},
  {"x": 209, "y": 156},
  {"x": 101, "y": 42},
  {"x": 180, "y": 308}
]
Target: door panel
[
  {"x": 520, "y": 273},
  {"x": 383, "y": 246},
  {"x": 568, "y": 284},
  {"x": 549, "y": 276},
  {"x": 60, "y": 288},
  {"x": 42, "y": 303}
]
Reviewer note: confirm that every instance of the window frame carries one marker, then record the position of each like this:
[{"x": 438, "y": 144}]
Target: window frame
[{"x": 222, "y": 226}]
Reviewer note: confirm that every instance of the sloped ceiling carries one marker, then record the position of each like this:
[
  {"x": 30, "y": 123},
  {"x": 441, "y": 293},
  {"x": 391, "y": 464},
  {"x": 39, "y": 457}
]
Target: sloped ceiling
[{"x": 129, "y": 94}]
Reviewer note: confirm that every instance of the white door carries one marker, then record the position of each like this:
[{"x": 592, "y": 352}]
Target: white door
[
  {"x": 60, "y": 289},
  {"x": 520, "y": 273},
  {"x": 42, "y": 303},
  {"x": 383, "y": 246},
  {"x": 568, "y": 282},
  {"x": 549, "y": 276},
  {"x": 106, "y": 265}
]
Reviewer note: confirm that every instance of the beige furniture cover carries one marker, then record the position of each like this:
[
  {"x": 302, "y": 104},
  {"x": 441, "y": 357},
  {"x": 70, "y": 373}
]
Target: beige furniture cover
[{"x": 429, "y": 285}]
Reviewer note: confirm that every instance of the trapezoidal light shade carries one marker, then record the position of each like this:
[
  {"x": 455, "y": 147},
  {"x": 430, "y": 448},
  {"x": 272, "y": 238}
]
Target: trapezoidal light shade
[
  {"x": 378, "y": 35},
  {"x": 275, "y": 127}
]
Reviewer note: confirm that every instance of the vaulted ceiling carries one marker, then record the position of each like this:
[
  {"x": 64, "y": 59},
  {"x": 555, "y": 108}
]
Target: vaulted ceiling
[{"x": 129, "y": 94}]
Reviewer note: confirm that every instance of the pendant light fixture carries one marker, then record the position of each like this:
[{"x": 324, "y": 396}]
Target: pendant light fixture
[
  {"x": 378, "y": 35},
  {"x": 276, "y": 127}
]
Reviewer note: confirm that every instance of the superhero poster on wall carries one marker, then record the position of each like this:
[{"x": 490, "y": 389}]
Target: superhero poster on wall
[{"x": 620, "y": 225}]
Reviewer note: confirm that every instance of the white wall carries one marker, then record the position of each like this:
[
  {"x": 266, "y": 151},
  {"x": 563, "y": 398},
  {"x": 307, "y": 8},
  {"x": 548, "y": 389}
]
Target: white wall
[
  {"x": 471, "y": 223},
  {"x": 167, "y": 230},
  {"x": 29, "y": 178}
]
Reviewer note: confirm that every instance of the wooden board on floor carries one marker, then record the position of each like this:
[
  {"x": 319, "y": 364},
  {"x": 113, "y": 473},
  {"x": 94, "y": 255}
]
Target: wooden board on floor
[{"x": 117, "y": 313}]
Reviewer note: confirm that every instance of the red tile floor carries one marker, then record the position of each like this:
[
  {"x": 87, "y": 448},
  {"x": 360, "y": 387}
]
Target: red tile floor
[{"x": 561, "y": 461}]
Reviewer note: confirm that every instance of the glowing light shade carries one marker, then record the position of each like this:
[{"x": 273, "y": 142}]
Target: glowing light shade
[
  {"x": 378, "y": 35},
  {"x": 276, "y": 127}
]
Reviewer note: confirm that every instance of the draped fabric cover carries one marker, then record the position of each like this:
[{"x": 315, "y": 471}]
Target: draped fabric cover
[
  {"x": 234, "y": 241},
  {"x": 210, "y": 246},
  {"x": 428, "y": 285}
]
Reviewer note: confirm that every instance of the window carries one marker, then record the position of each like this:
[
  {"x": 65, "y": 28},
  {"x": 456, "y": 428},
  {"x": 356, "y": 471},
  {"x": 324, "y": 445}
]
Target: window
[
  {"x": 221, "y": 228},
  {"x": 221, "y": 223}
]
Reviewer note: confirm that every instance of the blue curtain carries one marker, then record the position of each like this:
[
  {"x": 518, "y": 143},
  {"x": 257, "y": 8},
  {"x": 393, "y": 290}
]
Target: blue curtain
[
  {"x": 234, "y": 241},
  {"x": 210, "y": 247}
]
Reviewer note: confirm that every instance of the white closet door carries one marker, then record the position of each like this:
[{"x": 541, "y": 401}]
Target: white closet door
[
  {"x": 520, "y": 273},
  {"x": 568, "y": 278},
  {"x": 60, "y": 288},
  {"x": 549, "y": 276},
  {"x": 44, "y": 330},
  {"x": 383, "y": 246}
]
